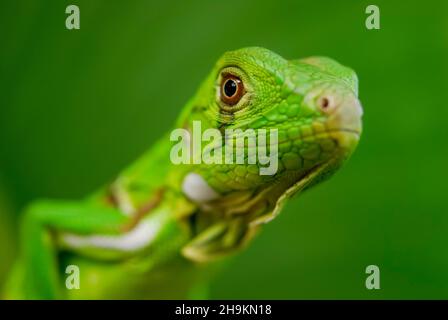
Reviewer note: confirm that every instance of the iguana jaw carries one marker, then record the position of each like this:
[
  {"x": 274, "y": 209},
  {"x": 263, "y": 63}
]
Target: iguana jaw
[{"x": 293, "y": 189}]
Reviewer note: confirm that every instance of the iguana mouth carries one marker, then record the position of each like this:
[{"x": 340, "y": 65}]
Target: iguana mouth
[
  {"x": 358, "y": 132},
  {"x": 322, "y": 134}
]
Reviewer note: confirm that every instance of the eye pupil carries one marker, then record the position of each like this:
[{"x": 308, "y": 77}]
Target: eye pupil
[{"x": 230, "y": 87}]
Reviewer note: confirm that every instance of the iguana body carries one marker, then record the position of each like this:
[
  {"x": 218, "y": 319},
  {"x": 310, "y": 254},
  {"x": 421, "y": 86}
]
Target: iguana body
[{"x": 156, "y": 231}]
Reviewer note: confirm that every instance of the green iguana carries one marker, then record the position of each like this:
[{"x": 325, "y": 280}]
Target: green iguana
[{"x": 162, "y": 226}]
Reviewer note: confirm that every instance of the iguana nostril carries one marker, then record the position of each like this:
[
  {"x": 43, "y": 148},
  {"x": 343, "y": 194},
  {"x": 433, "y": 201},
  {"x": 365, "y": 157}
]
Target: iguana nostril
[{"x": 325, "y": 103}]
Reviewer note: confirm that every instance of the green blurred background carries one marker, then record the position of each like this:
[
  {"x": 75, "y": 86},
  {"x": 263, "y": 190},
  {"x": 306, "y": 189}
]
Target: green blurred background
[{"x": 78, "y": 106}]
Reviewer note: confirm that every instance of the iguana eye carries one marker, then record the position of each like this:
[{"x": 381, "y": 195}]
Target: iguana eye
[{"x": 232, "y": 89}]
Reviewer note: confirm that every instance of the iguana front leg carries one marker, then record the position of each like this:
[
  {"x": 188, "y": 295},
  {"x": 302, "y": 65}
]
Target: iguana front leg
[
  {"x": 90, "y": 230},
  {"x": 37, "y": 277}
]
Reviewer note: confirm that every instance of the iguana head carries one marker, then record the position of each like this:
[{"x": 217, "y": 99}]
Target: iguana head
[{"x": 311, "y": 103}]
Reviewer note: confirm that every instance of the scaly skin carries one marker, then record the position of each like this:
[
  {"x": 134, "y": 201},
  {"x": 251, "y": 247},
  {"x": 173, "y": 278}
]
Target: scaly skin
[{"x": 151, "y": 234}]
